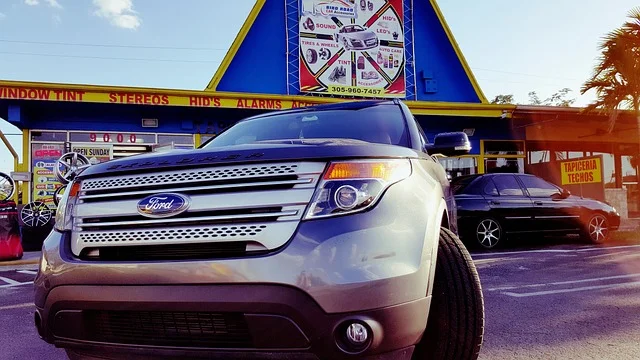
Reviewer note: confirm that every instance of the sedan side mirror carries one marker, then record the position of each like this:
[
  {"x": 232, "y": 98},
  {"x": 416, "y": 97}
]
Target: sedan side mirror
[
  {"x": 450, "y": 144},
  {"x": 564, "y": 193}
]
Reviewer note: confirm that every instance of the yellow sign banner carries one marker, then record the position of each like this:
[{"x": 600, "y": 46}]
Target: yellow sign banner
[
  {"x": 582, "y": 171},
  {"x": 357, "y": 91},
  {"x": 149, "y": 98}
]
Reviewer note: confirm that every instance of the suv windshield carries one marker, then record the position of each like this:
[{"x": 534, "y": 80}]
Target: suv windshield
[{"x": 383, "y": 124}]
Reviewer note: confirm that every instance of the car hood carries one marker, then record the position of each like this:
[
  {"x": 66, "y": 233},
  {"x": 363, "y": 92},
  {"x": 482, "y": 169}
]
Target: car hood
[
  {"x": 361, "y": 35},
  {"x": 267, "y": 151}
]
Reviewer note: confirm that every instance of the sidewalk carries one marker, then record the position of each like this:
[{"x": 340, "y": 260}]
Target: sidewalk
[
  {"x": 28, "y": 258},
  {"x": 629, "y": 225}
]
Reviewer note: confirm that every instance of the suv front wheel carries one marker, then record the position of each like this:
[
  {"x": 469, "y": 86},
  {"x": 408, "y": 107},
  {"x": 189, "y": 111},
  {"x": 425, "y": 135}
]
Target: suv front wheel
[{"x": 455, "y": 328}]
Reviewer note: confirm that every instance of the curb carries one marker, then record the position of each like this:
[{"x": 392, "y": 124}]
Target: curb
[{"x": 19, "y": 262}]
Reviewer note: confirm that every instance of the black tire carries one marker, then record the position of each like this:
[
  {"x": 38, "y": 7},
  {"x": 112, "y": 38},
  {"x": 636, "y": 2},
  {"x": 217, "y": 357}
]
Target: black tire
[
  {"x": 312, "y": 56},
  {"x": 590, "y": 231},
  {"x": 455, "y": 328},
  {"x": 488, "y": 233}
]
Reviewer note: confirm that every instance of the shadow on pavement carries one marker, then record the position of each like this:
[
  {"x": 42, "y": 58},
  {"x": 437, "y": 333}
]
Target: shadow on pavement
[{"x": 566, "y": 305}]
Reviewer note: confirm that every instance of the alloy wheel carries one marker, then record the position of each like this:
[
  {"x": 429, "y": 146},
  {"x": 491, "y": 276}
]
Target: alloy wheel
[
  {"x": 598, "y": 228},
  {"x": 488, "y": 233}
]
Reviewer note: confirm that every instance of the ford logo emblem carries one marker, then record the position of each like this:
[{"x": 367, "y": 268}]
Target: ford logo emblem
[{"x": 163, "y": 205}]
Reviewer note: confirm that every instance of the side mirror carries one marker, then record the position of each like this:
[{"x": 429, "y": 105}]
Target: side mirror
[
  {"x": 450, "y": 144},
  {"x": 564, "y": 193}
]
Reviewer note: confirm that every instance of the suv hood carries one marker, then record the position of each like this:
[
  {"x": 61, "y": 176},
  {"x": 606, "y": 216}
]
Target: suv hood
[{"x": 267, "y": 151}]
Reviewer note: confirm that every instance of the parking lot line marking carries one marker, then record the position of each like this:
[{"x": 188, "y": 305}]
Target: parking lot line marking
[
  {"x": 565, "y": 282},
  {"x": 29, "y": 272},
  {"x": 556, "y": 251},
  {"x": 16, "y": 306},
  {"x": 561, "y": 291},
  {"x": 16, "y": 284},
  {"x": 9, "y": 281}
]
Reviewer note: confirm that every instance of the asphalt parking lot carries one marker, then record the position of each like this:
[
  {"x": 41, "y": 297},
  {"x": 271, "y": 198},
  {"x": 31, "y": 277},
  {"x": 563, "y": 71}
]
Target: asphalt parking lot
[{"x": 543, "y": 300}]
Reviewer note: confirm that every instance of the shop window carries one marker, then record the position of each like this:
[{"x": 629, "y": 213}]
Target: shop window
[
  {"x": 496, "y": 147},
  {"x": 176, "y": 139},
  {"x": 49, "y": 136},
  {"x": 538, "y": 157},
  {"x": 630, "y": 168},
  {"x": 205, "y": 138},
  {"x": 538, "y": 187},
  {"x": 504, "y": 165},
  {"x": 608, "y": 166},
  {"x": 508, "y": 185},
  {"x": 460, "y": 166},
  {"x": 630, "y": 181},
  {"x": 112, "y": 137}
]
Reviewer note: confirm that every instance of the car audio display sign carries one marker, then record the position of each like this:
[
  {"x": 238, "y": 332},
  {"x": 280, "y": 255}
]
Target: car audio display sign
[
  {"x": 352, "y": 47},
  {"x": 43, "y": 161}
]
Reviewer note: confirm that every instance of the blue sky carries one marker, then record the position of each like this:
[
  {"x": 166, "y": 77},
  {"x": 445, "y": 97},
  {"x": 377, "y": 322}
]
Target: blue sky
[{"x": 539, "y": 45}]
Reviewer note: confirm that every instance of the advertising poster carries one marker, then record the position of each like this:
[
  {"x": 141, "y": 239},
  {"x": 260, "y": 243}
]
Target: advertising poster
[
  {"x": 352, "y": 47},
  {"x": 96, "y": 153},
  {"x": 43, "y": 161}
]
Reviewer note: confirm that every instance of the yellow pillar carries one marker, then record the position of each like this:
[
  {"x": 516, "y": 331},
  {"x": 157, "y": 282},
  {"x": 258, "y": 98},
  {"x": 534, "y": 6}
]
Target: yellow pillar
[
  {"x": 25, "y": 166},
  {"x": 481, "y": 158}
]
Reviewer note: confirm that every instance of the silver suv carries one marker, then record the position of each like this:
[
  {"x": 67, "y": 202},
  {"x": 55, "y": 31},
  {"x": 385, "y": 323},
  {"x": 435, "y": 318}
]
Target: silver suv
[{"x": 326, "y": 232}]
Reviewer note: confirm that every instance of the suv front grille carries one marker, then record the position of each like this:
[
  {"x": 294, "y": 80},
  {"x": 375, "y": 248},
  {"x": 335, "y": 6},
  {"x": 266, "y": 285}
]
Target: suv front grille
[
  {"x": 170, "y": 252},
  {"x": 252, "y": 204},
  {"x": 180, "y": 329}
]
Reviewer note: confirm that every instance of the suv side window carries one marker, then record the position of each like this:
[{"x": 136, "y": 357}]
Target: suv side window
[
  {"x": 538, "y": 187},
  {"x": 508, "y": 185}
]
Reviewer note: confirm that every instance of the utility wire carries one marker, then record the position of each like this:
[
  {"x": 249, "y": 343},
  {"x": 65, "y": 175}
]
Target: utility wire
[
  {"x": 107, "y": 58},
  {"x": 111, "y": 45}
]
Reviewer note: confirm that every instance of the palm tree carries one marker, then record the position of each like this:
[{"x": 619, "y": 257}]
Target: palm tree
[{"x": 616, "y": 78}]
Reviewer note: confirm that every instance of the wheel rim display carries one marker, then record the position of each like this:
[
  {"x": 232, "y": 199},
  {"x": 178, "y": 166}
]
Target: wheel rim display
[
  {"x": 57, "y": 195},
  {"x": 36, "y": 214},
  {"x": 7, "y": 187},
  {"x": 598, "y": 229},
  {"x": 488, "y": 233},
  {"x": 70, "y": 165}
]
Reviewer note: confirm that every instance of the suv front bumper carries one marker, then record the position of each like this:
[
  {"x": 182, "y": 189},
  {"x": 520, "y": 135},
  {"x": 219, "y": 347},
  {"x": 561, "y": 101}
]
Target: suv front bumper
[{"x": 374, "y": 267}]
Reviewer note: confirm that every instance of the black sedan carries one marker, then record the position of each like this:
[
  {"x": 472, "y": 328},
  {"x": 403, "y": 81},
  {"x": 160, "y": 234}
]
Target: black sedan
[{"x": 494, "y": 206}]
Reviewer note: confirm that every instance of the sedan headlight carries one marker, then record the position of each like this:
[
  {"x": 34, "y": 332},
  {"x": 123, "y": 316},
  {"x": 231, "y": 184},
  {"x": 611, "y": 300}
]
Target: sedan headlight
[
  {"x": 64, "y": 213},
  {"x": 351, "y": 186}
]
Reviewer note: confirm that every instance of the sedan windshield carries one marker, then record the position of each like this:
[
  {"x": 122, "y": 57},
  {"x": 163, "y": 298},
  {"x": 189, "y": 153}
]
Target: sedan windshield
[{"x": 383, "y": 124}]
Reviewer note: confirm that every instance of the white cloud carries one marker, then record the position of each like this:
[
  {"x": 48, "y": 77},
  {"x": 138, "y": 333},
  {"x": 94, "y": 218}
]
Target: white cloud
[
  {"x": 54, "y": 4},
  {"x": 119, "y": 12},
  {"x": 2, "y": 16},
  {"x": 51, "y": 3}
]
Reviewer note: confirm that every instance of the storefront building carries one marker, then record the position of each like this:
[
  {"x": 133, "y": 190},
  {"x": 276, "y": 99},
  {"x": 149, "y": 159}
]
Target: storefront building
[{"x": 294, "y": 53}]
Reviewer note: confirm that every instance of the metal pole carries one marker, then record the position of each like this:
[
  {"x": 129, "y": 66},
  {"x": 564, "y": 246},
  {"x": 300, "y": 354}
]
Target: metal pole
[{"x": 16, "y": 160}]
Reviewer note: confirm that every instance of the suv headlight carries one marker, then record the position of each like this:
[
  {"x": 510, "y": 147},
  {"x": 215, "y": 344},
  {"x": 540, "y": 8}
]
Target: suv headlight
[
  {"x": 351, "y": 186},
  {"x": 64, "y": 213}
]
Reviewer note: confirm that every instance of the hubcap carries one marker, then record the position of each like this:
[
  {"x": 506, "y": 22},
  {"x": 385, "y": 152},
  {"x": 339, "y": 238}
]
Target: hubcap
[
  {"x": 488, "y": 233},
  {"x": 598, "y": 229}
]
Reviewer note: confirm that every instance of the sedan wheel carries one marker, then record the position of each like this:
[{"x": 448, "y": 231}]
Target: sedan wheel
[
  {"x": 598, "y": 229},
  {"x": 488, "y": 233}
]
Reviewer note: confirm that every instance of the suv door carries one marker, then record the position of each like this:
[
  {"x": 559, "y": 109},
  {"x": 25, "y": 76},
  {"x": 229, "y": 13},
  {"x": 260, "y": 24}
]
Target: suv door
[
  {"x": 509, "y": 203},
  {"x": 551, "y": 210}
]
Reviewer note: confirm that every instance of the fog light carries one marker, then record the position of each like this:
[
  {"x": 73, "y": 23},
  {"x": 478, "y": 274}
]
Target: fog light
[
  {"x": 346, "y": 197},
  {"x": 357, "y": 334}
]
